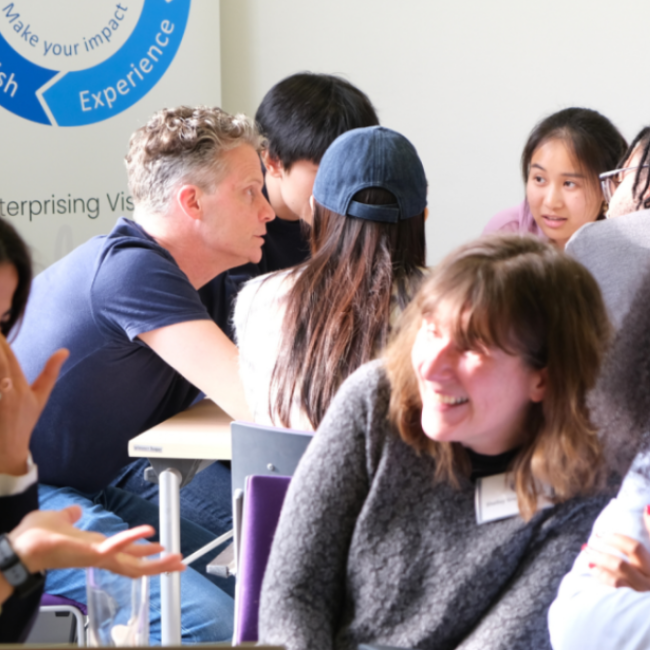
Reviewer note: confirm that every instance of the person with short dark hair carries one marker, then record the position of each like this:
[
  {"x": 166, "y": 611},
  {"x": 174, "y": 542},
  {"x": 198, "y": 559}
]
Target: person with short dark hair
[
  {"x": 299, "y": 119},
  {"x": 617, "y": 250},
  {"x": 560, "y": 164},
  {"x": 451, "y": 484}
]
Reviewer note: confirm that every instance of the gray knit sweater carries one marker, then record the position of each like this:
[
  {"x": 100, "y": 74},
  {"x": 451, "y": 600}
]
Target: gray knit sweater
[{"x": 369, "y": 550}]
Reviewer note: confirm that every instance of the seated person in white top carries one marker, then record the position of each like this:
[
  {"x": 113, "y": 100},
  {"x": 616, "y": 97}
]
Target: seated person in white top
[
  {"x": 302, "y": 332},
  {"x": 605, "y": 600},
  {"x": 617, "y": 250}
]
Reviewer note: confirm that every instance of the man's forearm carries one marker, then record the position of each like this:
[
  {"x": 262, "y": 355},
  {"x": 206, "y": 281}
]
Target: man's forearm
[{"x": 207, "y": 358}]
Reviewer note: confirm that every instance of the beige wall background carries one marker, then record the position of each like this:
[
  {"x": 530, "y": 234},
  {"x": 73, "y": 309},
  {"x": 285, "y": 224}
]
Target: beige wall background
[{"x": 465, "y": 80}]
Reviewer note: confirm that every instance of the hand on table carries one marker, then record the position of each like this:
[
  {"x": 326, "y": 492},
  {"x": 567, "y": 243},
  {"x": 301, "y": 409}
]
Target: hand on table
[
  {"x": 21, "y": 406},
  {"x": 47, "y": 539},
  {"x": 617, "y": 572}
]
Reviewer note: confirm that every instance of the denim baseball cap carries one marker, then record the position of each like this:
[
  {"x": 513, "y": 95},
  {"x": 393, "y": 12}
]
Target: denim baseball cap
[{"x": 373, "y": 156}]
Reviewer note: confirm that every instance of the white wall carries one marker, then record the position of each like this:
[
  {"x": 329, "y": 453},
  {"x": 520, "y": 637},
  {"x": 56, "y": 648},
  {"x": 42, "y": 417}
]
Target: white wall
[{"x": 465, "y": 80}]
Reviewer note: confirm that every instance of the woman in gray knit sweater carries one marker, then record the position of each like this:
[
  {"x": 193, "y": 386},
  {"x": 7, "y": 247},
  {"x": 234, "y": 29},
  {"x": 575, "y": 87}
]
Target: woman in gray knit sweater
[{"x": 450, "y": 485}]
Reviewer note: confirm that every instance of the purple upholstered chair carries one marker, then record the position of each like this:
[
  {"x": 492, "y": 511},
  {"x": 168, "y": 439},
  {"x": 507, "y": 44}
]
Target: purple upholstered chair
[
  {"x": 47, "y": 630},
  {"x": 264, "y": 496}
]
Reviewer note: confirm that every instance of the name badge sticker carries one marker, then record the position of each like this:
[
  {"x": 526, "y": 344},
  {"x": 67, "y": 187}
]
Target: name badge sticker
[{"x": 494, "y": 499}]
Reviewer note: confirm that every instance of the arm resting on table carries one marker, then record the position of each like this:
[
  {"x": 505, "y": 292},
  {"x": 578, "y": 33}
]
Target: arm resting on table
[{"x": 206, "y": 357}]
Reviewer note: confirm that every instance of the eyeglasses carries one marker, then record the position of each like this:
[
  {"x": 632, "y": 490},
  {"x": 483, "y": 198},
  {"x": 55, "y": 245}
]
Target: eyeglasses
[{"x": 609, "y": 181}]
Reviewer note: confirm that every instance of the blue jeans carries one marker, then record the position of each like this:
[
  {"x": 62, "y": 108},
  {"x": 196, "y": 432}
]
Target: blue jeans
[
  {"x": 206, "y": 610},
  {"x": 206, "y": 500}
]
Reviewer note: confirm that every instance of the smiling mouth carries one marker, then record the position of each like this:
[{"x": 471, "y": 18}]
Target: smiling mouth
[
  {"x": 449, "y": 400},
  {"x": 553, "y": 221}
]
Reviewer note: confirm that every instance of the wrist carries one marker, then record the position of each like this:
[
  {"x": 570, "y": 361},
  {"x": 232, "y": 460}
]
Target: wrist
[
  {"x": 14, "y": 464},
  {"x": 14, "y": 570},
  {"x": 18, "y": 539}
]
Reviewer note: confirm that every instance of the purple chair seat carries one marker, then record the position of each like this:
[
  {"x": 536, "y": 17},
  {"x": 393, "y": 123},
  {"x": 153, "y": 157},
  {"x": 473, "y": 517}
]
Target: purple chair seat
[
  {"x": 262, "y": 506},
  {"x": 52, "y": 600}
]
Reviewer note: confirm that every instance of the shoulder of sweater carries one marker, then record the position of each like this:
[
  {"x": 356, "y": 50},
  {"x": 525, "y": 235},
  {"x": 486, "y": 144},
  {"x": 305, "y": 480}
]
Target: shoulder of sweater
[
  {"x": 635, "y": 224},
  {"x": 364, "y": 394},
  {"x": 368, "y": 378}
]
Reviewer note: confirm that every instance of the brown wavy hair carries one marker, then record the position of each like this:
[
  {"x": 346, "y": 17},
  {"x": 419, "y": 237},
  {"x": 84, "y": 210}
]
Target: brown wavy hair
[
  {"x": 339, "y": 308},
  {"x": 523, "y": 296}
]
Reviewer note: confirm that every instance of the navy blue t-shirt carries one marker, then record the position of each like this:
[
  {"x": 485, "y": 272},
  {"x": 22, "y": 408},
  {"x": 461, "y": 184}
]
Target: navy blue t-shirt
[{"x": 95, "y": 302}]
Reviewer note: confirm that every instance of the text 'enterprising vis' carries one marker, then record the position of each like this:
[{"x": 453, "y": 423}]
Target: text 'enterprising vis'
[{"x": 90, "y": 207}]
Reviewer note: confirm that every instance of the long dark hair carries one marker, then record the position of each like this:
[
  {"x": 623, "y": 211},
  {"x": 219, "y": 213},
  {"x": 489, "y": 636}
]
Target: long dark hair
[
  {"x": 595, "y": 142},
  {"x": 13, "y": 250},
  {"x": 339, "y": 308}
]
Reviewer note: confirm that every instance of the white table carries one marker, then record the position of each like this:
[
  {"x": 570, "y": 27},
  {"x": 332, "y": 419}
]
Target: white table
[{"x": 177, "y": 449}]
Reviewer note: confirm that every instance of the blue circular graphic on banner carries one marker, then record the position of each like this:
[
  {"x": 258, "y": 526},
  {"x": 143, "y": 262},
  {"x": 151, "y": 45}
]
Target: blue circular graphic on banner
[{"x": 80, "y": 97}]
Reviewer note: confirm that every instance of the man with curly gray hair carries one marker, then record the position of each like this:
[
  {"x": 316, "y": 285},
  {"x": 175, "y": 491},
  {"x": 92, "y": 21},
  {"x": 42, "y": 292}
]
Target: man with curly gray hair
[{"x": 142, "y": 342}]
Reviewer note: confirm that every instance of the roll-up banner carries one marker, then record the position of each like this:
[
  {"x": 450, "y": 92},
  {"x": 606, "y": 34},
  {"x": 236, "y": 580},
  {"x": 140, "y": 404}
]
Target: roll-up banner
[{"x": 77, "y": 77}]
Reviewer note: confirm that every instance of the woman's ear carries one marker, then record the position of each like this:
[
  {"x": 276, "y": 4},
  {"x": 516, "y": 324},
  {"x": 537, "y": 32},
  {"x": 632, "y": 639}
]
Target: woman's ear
[{"x": 538, "y": 382}]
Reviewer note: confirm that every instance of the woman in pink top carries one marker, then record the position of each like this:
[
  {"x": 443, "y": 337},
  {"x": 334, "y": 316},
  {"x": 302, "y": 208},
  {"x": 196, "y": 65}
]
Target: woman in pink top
[{"x": 560, "y": 165}]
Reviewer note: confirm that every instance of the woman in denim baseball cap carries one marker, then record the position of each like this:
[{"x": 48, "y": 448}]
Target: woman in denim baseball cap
[{"x": 301, "y": 332}]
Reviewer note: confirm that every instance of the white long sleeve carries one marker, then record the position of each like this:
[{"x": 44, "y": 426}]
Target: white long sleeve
[{"x": 588, "y": 614}]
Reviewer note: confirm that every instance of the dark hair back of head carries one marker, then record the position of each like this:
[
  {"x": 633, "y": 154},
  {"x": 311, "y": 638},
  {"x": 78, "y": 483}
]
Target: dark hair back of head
[
  {"x": 13, "y": 250},
  {"x": 339, "y": 309},
  {"x": 595, "y": 142},
  {"x": 642, "y": 177},
  {"x": 303, "y": 114}
]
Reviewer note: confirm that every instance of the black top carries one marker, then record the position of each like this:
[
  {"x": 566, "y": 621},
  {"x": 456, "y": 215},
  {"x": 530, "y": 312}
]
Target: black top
[
  {"x": 286, "y": 244},
  {"x": 483, "y": 465}
]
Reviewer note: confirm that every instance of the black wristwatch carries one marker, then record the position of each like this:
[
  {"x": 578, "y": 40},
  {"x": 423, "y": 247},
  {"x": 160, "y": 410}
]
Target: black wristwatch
[{"x": 15, "y": 572}]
